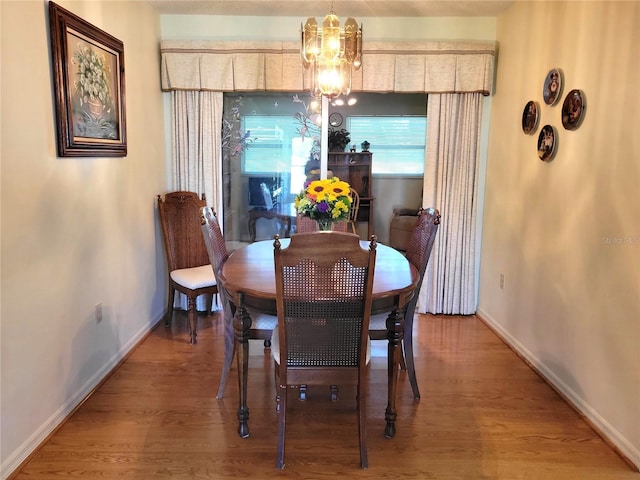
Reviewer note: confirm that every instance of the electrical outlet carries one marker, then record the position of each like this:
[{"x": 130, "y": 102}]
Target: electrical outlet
[
  {"x": 98, "y": 312},
  {"x": 502, "y": 281}
]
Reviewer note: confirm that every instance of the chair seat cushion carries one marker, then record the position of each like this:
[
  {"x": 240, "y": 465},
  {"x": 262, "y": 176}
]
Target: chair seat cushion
[
  {"x": 379, "y": 321},
  {"x": 262, "y": 321},
  {"x": 275, "y": 346},
  {"x": 195, "y": 277}
]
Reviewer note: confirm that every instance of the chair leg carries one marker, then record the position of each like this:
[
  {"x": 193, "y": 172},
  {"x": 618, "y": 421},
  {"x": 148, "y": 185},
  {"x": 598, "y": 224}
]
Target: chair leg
[
  {"x": 407, "y": 347},
  {"x": 403, "y": 363},
  {"x": 210, "y": 304},
  {"x": 362, "y": 424},
  {"x": 282, "y": 421},
  {"x": 192, "y": 315},
  {"x": 276, "y": 377},
  {"x": 169, "y": 313},
  {"x": 229, "y": 352}
]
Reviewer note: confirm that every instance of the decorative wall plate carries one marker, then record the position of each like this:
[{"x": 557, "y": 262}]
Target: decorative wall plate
[
  {"x": 552, "y": 89},
  {"x": 547, "y": 141},
  {"x": 530, "y": 117},
  {"x": 573, "y": 110}
]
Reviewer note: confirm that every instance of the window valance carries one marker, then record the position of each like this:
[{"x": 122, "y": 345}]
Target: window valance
[{"x": 408, "y": 67}]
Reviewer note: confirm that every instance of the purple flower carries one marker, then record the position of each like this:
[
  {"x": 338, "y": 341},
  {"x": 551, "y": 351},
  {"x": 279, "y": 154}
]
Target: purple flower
[{"x": 323, "y": 207}]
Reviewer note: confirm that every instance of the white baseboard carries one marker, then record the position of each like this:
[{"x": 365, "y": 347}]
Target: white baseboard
[
  {"x": 604, "y": 428},
  {"x": 13, "y": 461}
]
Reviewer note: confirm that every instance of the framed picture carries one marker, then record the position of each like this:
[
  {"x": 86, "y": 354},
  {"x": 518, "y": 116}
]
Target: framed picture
[
  {"x": 88, "y": 79},
  {"x": 573, "y": 110},
  {"x": 552, "y": 89},
  {"x": 547, "y": 143},
  {"x": 530, "y": 116}
]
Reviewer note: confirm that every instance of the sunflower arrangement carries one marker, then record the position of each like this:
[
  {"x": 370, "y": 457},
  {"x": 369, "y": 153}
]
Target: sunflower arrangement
[{"x": 325, "y": 201}]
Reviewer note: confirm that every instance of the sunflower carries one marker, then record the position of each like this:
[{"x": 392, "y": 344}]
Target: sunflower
[
  {"x": 317, "y": 190},
  {"x": 340, "y": 188},
  {"x": 325, "y": 200}
]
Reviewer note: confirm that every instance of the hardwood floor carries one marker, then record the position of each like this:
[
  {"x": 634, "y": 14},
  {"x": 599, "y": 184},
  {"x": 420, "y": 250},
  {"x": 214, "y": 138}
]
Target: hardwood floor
[{"x": 484, "y": 414}]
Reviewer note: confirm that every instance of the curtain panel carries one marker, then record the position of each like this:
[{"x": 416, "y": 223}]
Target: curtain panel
[
  {"x": 196, "y": 118},
  {"x": 451, "y": 184},
  {"x": 403, "y": 67}
]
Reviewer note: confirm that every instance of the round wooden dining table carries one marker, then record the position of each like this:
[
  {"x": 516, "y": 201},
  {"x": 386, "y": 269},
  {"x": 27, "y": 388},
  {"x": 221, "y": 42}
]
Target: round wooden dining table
[{"x": 248, "y": 275}]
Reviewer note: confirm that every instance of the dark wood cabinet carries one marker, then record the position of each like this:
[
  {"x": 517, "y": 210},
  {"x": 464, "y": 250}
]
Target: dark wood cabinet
[{"x": 355, "y": 168}]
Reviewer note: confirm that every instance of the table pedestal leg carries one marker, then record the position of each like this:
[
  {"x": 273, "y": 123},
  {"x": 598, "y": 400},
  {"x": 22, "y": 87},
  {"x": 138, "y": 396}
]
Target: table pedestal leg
[
  {"x": 241, "y": 326},
  {"x": 395, "y": 330}
]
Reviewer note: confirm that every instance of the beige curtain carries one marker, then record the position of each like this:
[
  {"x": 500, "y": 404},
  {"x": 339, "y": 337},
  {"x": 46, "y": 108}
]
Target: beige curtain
[
  {"x": 431, "y": 67},
  {"x": 196, "y": 123},
  {"x": 451, "y": 184}
]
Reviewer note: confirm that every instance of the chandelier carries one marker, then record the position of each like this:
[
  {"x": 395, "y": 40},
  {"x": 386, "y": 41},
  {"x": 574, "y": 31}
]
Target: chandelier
[{"x": 331, "y": 54}]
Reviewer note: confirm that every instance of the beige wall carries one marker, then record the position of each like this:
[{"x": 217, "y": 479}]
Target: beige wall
[
  {"x": 566, "y": 234},
  {"x": 208, "y": 27},
  {"x": 75, "y": 231}
]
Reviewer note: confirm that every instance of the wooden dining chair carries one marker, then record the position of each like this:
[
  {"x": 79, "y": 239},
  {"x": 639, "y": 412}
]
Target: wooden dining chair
[
  {"x": 262, "y": 324},
  {"x": 324, "y": 284},
  {"x": 187, "y": 260},
  {"x": 418, "y": 253},
  {"x": 353, "y": 213}
]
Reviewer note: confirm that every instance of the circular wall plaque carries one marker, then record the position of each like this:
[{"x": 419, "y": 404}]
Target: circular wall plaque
[
  {"x": 552, "y": 87},
  {"x": 530, "y": 116},
  {"x": 547, "y": 143},
  {"x": 573, "y": 110}
]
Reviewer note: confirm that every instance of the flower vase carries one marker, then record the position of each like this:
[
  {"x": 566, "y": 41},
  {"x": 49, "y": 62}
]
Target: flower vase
[
  {"x": 95, "y": 108},
  {"x": 324, "y": 224}
]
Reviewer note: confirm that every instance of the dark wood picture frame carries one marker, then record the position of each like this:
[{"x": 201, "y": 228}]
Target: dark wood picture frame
[{"x": 88, "y": 79}]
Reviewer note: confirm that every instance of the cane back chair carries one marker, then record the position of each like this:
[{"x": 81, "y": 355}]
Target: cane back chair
[
  {"x": 187, "y": 259},
  {"x": 324, "y": 284},
  {"x": 418, "y": 253},
  {"x": 262, "y": 325}
]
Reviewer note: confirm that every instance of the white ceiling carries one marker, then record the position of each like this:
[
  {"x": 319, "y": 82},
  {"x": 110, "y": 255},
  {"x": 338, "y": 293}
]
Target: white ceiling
[{"x": 343, "y": 8}]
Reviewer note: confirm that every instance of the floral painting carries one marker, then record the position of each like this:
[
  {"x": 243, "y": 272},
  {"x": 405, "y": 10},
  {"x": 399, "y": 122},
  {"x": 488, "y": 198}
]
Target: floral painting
[{"x": 94, "y": 112}]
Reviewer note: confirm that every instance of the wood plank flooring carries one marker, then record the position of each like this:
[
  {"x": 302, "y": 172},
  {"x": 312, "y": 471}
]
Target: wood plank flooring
[{"x": 484, "y": 414}]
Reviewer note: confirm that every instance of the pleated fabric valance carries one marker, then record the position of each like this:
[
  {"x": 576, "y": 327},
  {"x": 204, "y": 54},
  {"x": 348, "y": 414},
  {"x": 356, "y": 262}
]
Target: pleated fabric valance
[{"x": 407, "y": 67}]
